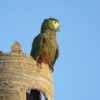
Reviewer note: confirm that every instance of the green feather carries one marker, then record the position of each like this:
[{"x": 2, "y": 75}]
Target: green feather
[
  {"x": 47, "y": 25},
  {"x": 46, "y": 42}
]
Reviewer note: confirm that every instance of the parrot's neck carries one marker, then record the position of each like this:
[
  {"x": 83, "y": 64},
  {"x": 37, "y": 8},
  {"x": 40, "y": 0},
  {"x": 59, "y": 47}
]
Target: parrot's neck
[{"x": 51, "y": 32}]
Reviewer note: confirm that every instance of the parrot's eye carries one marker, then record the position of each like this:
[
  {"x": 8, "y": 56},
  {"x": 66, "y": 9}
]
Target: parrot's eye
[{"x": 55, "y": 22}]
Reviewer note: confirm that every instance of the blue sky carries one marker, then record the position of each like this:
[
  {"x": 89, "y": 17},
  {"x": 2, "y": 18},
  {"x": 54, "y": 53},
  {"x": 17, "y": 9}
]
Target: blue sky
[{"x": 77, "y": 71}]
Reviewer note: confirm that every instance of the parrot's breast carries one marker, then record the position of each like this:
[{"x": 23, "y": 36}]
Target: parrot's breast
[{"x": 48, "y": 49}]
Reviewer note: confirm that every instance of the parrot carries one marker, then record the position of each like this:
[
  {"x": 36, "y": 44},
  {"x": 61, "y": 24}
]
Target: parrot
[{"x": 45, "y": 47}]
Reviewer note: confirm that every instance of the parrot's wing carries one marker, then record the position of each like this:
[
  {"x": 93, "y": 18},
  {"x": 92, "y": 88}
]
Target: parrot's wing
[
  {"x": 57, "y": 53},
  {"x": 36, "y": 46},
  {"x": 56, "y": 56}
]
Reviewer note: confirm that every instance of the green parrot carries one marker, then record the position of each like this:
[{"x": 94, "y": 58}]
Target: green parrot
[{"x": 44, "y": 46}]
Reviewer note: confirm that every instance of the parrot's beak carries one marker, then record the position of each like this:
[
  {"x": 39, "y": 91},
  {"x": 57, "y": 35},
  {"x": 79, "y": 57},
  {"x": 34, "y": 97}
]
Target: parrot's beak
[{"x": 58, "y": 29}]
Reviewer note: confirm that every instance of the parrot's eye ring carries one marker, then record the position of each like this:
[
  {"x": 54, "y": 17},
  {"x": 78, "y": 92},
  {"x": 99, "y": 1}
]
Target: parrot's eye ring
[{"x": 55, "y": 22}]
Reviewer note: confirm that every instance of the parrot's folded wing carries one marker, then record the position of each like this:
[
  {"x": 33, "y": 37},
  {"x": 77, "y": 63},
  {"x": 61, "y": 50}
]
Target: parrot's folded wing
[{"x": 36, "y": 45}]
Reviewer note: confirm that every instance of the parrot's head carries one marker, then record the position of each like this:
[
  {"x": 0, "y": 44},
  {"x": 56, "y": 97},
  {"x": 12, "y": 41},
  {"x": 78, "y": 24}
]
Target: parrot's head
[{"x": 50, "y": 24}]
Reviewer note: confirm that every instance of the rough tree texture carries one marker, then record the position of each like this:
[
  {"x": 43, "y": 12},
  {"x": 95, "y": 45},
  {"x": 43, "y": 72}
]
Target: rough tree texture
[{"x": 20, "y": 73}]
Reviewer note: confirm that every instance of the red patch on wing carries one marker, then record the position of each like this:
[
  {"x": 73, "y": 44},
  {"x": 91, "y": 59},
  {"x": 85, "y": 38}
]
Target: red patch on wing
[{"x": 44, "y": 59}]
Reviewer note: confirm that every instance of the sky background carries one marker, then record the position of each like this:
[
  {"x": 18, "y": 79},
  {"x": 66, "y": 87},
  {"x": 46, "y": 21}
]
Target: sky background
[{"x": 77, "y": 70}]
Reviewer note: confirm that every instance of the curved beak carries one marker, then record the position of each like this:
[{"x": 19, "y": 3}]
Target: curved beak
[{"x": 58, "y": 29}]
